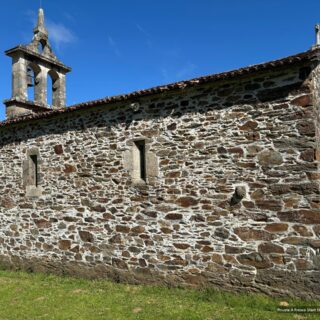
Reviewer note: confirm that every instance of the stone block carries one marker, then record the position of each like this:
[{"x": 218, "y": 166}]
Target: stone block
[
  {"x": 122, "y": 229},
  {"x": 64, "y": 245},
  {"x": 249, "y": 234},
  {"x": 187, "y": 202},
  {"x": 302, "y": 101},
  {"x": 268, "y": 247},
  {"x": 276, "y": 227},
  {"x": 58, "y": 149},
  {"x": 249, "y": 125},
  {"x": 182, "y": 246},
  {"x": 301, "y": 216},
  {"x": 255, "y": 259},
  {"x": 269, "y": 158},
  {"x": 68, "y": 168},
  {"x": 173, "y": 216},
  {"x": 86, "y": 236}
]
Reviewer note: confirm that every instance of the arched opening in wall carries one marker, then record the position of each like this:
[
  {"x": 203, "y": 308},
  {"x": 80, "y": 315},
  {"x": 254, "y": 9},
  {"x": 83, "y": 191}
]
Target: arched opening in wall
[
  {"x": 33, "y": 82},
  {"x": 52, "y": 88},
  {"x": 41, "y": 46}
]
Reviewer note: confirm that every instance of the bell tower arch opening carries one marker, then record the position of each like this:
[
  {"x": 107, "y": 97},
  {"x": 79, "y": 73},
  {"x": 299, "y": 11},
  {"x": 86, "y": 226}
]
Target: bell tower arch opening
[
  {"x": 41, "y": 46},
  {"x": 53, "y": 88},
  {"x": 33, "y": 82}
]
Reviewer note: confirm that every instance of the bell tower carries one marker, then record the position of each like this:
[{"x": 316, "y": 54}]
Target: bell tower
[{"x": 32, "y": 67}]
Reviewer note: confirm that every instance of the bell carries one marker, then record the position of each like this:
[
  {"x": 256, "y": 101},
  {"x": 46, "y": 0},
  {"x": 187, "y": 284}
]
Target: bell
[{"x": 30, "y": 77}]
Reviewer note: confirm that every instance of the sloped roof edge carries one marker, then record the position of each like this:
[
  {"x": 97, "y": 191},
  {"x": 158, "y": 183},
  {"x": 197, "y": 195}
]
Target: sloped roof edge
[{"x": 291, "y": 60}]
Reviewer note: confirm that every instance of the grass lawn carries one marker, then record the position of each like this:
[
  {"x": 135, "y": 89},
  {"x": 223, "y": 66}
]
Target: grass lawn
[{"x": 38, "y": 296}]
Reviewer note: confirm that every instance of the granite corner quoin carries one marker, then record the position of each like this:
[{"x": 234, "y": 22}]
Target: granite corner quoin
[{"x": 226, "y": 195}]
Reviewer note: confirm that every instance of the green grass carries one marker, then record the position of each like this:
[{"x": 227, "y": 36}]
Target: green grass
[{"x": 38, "y": 296}]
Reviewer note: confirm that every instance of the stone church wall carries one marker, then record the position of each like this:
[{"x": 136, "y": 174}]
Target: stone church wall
[{"x": 231, "y": 199}]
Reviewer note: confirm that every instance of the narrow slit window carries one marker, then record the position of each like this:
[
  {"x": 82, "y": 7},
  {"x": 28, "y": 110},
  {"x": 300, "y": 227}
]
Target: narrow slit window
[
  {"x": 34, "y": 170},
  {"x": 31, "y": 173},
  {"x": 141, "y": 159}
]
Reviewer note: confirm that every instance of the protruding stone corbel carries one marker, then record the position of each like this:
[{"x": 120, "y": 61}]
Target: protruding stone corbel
[
  {"x": 239, "y": 194},
  {"x": 135, "y": 106}
]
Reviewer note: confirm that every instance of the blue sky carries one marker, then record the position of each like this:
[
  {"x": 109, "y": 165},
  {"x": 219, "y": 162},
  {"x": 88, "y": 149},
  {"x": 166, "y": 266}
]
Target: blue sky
[{"x": 118, "y": 46}]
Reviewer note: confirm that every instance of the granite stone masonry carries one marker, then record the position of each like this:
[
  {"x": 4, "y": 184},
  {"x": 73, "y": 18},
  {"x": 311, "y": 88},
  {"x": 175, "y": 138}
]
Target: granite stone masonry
[{"x": 212, "y": 182}]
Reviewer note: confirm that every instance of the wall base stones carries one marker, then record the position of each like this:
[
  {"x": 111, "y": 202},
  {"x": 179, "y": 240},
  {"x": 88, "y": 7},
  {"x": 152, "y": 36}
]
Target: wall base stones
[{"x": 273, "y": 282}]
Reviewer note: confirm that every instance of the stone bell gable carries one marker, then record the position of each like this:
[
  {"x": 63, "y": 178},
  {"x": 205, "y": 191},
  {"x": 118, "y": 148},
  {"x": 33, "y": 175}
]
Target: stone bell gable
[
  {"x": 208, "y": 182},
  {"x": 32, "y": 66}
]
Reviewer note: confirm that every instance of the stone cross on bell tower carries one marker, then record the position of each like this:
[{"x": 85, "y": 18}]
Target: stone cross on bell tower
[{"x": 32, "y": 66}]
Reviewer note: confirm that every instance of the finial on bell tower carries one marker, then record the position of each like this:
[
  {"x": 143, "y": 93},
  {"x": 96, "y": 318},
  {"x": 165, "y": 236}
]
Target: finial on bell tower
[
  {"x": 41, "y": 28},
  {"x": 40, "y": 41},
  {"x": 317, "y": 35},
  {"x": 317, "y": 44}
]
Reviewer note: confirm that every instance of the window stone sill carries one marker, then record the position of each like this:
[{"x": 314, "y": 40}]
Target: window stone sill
[{"x": 34, "y": 192}]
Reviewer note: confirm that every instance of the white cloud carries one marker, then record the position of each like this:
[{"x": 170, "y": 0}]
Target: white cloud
[
  {"x": 177, "y": 74},
  {"x": 70, "y": 17},
  {"x": 114, "y": 46},
  {"x": 186, "y": 70},
  {"x": 31, "y": 16},
  {"x": 164, "y": 73},
  {"x": 146, "y": 34},
  {"x": 111, "y": 41},
  {"x": 59, "y": 34},
  {"x": 142, "y": 30}
]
